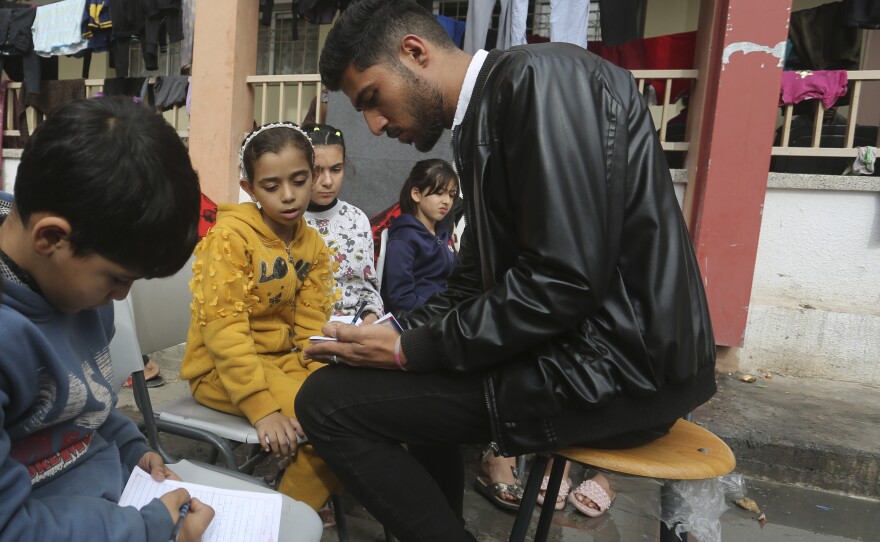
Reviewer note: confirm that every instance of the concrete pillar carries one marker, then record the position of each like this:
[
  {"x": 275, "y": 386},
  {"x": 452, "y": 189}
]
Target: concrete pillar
[
  {"x": 224, "y": 54},
  {"x": 739, "y": 54}
]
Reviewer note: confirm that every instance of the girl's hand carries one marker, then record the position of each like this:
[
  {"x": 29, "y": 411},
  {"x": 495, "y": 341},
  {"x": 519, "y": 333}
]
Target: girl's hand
[
  {"x": 152, "y": 463},
  {"x": 360, "y": 346},
  {"x": 278, "y": 433},
  {"x": 369, "y": 318}
]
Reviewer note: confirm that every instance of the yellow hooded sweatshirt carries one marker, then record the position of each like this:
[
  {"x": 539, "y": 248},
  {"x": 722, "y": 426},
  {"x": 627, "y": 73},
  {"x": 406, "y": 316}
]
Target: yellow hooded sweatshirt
[{"x": 255, "y": 304}]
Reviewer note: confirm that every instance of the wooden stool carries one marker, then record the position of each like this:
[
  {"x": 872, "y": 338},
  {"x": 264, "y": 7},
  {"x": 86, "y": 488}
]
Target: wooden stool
[{"x": 688, "y": 452}]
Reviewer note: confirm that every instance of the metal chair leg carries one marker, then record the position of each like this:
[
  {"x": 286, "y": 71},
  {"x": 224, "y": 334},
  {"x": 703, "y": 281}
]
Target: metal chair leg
[
  {"x": 528, "y": 502},
  {"x": 550, "y": 495},
  {"x": 339, "y": 515}
]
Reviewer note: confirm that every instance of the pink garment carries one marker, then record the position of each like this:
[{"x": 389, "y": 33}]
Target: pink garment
[{"x": 828, "y": 85}]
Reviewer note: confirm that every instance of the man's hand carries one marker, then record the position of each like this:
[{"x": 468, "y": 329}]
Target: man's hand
[
  {"x": 152, "y": 462},
  {"x": 197, "y": 519},
  {"x": 360, "y": 346},
  {"x": 369, "y": 318},
  {"x": 278, "y": 433}
]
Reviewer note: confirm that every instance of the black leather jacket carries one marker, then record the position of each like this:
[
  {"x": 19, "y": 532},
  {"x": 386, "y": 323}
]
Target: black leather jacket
[{"x": 576, "y": 291}]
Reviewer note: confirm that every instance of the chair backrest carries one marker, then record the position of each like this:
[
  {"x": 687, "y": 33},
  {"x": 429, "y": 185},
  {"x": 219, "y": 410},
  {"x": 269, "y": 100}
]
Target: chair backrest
[
  {"x": 380, "y": 260},
  {"x": 125, "y": 354},
  {"x": 161, "y": 309}
]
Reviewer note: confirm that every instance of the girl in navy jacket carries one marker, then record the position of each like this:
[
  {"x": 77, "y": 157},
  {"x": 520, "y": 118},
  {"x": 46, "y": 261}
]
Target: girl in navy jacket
[{"x": 420, "y": 253}]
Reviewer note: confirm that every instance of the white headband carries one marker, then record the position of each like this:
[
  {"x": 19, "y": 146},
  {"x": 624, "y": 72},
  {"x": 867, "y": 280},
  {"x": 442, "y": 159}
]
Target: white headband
[{"x": 258, "y": 131}]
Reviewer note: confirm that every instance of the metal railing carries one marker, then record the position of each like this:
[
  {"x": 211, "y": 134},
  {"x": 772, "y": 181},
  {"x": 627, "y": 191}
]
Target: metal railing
[
  {"x": 278, "y": 89},
  {"x": 176, "y": 116}
]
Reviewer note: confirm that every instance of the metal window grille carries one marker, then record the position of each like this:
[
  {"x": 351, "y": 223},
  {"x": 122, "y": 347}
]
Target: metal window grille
[
  {"x": 537, "y": 22},
  {"x": 279, "y": 54}
]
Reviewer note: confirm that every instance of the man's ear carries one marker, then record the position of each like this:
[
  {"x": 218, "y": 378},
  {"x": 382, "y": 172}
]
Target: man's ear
[
  {"x": 415, "y": 49},
  {"x": 49, "y": 233}
]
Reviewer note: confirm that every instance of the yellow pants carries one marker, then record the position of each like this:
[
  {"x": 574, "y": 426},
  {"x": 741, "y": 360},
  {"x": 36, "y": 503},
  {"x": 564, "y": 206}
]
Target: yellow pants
[{"x": 308, "y": 478}]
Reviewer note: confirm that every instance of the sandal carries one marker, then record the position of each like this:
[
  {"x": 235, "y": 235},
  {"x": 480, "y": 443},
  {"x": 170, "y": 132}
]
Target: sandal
[
  {"x": 493, "y": 490},
  {"x": 564, "y": 488},
  {"x": 591, "y": 492}
]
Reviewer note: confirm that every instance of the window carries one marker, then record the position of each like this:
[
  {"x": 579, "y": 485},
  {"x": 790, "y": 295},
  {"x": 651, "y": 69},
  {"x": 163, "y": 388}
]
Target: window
[{"x": 279, "y": 54}]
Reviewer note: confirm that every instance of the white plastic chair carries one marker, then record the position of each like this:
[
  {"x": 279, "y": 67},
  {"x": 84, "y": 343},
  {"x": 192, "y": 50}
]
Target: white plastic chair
[
  {"x": 380, "y": 263},
  {"x": 298, "y": 521}
]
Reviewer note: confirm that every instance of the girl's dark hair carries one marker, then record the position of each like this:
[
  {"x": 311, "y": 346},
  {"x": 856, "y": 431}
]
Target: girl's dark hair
[
  {"x": 119, "y": 174},
  {"x": 274, "y": 137},
  {"x": 428, "y": 177},
  {"x": 324, "y": 134}
]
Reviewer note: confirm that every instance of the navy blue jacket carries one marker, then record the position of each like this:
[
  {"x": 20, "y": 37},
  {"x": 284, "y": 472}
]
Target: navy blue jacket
[{"x": 417, "y": 263}]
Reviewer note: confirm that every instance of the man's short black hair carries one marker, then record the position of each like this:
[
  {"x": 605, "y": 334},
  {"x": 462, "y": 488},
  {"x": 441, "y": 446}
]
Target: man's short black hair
[
  {"x": 369, "y": 32},
  {"x": 123, "y": 179}
]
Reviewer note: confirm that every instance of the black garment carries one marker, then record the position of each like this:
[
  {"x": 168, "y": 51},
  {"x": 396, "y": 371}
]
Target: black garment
[
  {"x": 621, "y": 21},
  {"x": 16, "y": 40},
  {"x": 170, "y": 91},
  {"x": 862, "y": 13},
  {"x": 357, "y": 418},
  {"x": 822, "y": 41},
  {"x": 164, "y": 19},
  {"x": 576, "y": 292}
]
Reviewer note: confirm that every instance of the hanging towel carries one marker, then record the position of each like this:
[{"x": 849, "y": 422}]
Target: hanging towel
[
  {"x": 864, "y": 162},
  {"x": 57, "y": 28},
  {"x": 170, "y": 91},
  {"x": 827, "y": 85}
]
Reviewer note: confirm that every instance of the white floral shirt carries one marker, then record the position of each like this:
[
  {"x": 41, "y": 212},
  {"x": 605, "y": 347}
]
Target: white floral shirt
[{"x": 346, "y": 231}]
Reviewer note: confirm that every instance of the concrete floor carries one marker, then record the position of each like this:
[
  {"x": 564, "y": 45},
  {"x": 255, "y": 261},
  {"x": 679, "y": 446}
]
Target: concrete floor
[{"x": 793, "y": 513}]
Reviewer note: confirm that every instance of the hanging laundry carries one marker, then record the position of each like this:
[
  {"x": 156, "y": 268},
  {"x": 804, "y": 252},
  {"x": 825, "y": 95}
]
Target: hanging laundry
[
  {"x": 864, "y": 162},
  {"x": 188, "y": 11},
  {"x": 16, "y": 40},
  {"x": 53, "y": 95},
  {"x": 479, "y": 17},
  {"x": 802, "y": 85},
  {"x": 821, "y": 39},
  {"x": 170, "y": 91},
  {"x": 454, "y": 28},
  {"x": 56, "y": 29},
  {"x": 621, "y": 21},
  {"x": 164, "y": 24},
  {"x": 97, "y": 25},
  {"x": 568, "y": 21},
  {"x": 129, "y": 20},
  {"x": 512, "y": 24},
  {"x": 862, "y": 13},
  {"x": 670, "y": 52}
]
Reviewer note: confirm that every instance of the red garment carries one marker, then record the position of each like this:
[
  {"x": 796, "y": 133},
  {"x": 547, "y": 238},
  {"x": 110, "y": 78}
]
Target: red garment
[
  {"x": 207, "y": 215},
  {"x": 379, "y": 222},
  {"x": 827, "y": 85},
  {"x": 671, "y": 52}
]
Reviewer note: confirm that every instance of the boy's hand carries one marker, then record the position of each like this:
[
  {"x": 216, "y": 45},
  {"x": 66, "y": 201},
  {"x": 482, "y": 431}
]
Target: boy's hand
[
  {"x": 152, "y": 462},
  {"x": 278, "y": 433},
  {"x": 197, "y": 519}
]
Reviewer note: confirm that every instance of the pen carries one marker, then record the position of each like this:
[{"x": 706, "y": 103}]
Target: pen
[
  {"x": 357, "y": 315},
  {"x": 183, "y": 511}
]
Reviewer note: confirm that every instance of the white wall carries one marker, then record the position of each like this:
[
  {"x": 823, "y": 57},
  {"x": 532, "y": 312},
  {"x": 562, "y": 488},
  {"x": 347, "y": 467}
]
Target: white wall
[{"x": 815, "y": 305}]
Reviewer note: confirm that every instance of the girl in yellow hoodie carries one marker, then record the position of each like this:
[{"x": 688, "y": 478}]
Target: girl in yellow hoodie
[{"x": 262, "y": 285}]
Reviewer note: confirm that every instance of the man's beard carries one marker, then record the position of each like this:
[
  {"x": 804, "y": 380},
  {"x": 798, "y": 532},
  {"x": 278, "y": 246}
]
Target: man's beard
[{"x": 425, "y": 108}]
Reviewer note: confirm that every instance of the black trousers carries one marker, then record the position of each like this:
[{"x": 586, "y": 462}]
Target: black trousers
[{"x": 357, "y": 419}]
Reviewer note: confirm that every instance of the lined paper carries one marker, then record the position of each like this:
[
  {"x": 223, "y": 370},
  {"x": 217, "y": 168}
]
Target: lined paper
[{"x": 240, "y": 516}]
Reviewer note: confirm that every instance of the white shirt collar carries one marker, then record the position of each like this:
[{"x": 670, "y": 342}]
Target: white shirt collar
[{"x": 467, "y": 87}]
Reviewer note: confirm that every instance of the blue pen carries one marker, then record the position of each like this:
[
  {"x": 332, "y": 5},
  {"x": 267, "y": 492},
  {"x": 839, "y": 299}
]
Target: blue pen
[
  {"x": 183, "y": 511},
  {"x": 359, "y": 311}
]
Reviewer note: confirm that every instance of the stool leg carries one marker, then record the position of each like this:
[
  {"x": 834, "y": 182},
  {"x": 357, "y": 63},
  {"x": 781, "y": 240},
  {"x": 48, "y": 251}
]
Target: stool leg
[
  {"x": 550, "y": 500},
  {"x": 527, "y": 504},
  {"x": 667, "y": 497}
]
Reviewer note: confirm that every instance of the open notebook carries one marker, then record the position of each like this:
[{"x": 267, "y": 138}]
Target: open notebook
[
  {"x": 388, "y": 321},
  {"x": 240, "y": 516}
]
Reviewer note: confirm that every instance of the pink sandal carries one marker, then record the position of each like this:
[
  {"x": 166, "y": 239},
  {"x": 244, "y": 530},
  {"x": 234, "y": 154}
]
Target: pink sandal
[
  {"x": 564, "y": 488},
  {"x": 596, "y": 493}
]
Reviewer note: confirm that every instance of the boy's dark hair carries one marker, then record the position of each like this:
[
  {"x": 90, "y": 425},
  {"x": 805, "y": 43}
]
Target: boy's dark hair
[
  {"x": 427, "y": 176},
  {"x": 369, "y": 32},
  {"x": 119, "y": 174},
  {"x": 274, "y": 137},
  {"x": 324, "y": 134}
]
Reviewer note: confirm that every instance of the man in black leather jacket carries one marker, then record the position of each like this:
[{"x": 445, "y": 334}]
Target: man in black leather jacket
[{"x": 576, "y": 313}]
